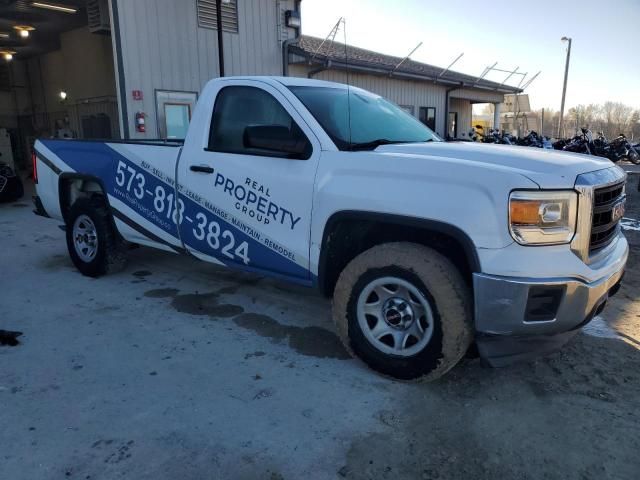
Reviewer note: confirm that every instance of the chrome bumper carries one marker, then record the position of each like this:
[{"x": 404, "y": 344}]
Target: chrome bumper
[{"x": 506, "y": 329}]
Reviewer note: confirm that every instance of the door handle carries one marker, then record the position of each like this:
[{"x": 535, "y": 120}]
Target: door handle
[{"x": 201, "y": 169}]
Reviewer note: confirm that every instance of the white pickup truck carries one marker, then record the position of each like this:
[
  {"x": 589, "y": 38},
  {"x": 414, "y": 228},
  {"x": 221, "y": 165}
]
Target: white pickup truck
[{"x": 425, "y": 246}]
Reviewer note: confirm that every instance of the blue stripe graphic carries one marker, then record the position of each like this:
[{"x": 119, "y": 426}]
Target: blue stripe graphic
[{"x": 222, "y": 241}]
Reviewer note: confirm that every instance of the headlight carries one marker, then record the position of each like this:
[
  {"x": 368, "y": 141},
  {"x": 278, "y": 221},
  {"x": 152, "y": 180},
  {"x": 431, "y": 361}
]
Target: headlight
[{"x": 542, "y": 218}]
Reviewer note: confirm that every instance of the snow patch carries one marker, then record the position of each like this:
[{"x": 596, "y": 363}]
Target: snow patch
[
  {"x": 630, "y": 224},
  {"x": 598, "y": 327}
]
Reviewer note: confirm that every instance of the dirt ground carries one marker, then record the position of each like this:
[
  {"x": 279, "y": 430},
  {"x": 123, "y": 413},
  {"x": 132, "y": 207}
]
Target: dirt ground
[{"x": 177, "y": 369}]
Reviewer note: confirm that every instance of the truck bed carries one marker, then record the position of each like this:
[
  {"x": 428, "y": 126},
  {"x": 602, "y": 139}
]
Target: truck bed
[{"x": 132, "y": 173}]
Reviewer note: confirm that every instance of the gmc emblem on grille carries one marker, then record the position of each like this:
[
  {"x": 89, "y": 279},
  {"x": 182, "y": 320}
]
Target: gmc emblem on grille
[{"x": 617, "y": 212}]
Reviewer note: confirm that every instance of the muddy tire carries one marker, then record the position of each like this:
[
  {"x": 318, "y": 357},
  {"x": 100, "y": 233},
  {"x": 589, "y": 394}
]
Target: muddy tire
[
  {"x": 405, "y": 310},
  {"x": 94, "y": 244}
]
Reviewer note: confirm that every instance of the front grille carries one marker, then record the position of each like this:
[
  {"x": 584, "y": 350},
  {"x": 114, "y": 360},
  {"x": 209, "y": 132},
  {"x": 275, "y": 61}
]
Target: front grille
[{"x": 603, "y": 228}]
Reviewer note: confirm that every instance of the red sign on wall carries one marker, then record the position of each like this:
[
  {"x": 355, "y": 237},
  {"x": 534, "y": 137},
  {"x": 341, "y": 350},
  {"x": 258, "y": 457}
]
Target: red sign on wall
[{"x": 137, "y": 94}]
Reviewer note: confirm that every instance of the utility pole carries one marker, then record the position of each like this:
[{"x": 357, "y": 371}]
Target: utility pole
[
  {"x": 564, "y": 87},
  {"x": 220, "y": 44}
]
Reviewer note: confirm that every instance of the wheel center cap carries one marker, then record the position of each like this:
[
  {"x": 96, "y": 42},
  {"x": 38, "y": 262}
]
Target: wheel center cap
[{"x": 397, "y": 313}]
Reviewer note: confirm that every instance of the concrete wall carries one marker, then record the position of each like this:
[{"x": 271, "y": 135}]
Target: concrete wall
[
  {"x": 165, "y": 49},
  {"x": 402, "y": 92}
]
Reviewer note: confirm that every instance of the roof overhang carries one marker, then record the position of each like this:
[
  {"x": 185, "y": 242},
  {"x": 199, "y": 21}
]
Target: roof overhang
[{"x": 324, "y": 63}]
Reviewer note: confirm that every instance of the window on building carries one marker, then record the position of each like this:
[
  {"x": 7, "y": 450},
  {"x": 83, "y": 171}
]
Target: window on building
[
  {"x": 177, "y": 117},
  {"x": 428, "y": 117},
  {"x": 237, "y": 108},
  {"x": 208, "y": 18},
  {"x": 407, "y": 108}
]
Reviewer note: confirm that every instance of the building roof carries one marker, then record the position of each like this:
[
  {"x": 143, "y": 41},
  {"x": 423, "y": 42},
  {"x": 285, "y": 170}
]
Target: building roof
[{"x": 313, "y": 49}]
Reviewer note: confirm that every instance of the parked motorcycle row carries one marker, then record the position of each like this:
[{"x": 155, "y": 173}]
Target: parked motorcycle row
[
  {"x": 615, "y": 150},
  {"x": 532, "y": 139}
]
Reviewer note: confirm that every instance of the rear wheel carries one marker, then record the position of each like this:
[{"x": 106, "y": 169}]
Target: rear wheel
[
  {"x": 94, "y": 245},
  {"x": 405, "y": 310}
]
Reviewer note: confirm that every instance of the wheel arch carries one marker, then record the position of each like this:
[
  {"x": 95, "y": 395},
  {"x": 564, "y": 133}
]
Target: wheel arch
[
  {"x": 358, "y": 231},
  {"x": 73, "y": 185}
]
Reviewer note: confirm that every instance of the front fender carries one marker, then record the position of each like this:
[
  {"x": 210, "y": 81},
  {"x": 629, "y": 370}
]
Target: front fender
[{"x": 469, "y": 196}]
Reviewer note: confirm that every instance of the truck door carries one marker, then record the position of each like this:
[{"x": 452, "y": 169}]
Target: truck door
[{"x": 247, "y": 183}]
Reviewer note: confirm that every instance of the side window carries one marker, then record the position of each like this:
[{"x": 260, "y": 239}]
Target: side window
[
  {"x": 428, "y": 117},
  {"x": 249, "y": 121},
  {"x": 407, "y": 108}
]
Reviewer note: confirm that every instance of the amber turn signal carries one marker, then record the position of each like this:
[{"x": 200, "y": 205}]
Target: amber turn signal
[{"x": 525, "y": 212}]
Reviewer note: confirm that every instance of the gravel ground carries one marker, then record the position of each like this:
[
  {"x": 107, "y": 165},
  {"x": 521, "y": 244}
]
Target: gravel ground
[{"x": 177, "y": 369}]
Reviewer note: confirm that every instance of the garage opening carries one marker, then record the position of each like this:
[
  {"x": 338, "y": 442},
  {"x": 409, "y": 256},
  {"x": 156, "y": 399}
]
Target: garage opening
[{"x": 57, "y": 77}]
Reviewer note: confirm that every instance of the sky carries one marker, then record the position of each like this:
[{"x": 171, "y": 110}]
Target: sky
[{"x": 605, "y": 50}]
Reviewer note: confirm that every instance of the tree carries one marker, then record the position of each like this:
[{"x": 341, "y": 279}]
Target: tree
[
  {"x": 610, "y": 118},
  {"x": 635, "y": 125}
]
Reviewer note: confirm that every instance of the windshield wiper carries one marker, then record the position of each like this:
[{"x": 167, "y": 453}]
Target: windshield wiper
[{"x": 373, "y": 144}]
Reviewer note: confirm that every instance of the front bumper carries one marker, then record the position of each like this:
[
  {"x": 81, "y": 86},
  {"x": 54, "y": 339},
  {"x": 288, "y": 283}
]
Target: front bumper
[{"x": 520, "y": 318}]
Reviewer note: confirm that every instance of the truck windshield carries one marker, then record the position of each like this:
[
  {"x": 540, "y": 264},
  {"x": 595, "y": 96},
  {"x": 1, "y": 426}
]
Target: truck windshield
[{"x": 374, "y": 120}]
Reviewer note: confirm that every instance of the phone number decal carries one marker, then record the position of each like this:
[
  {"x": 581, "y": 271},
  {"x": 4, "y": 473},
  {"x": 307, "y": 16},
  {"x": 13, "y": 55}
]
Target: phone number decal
[{"x": 143, "y": 192}]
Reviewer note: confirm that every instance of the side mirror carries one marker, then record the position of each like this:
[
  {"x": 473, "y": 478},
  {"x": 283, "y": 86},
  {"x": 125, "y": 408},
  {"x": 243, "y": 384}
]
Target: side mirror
[{"x": 276, "y": 139}]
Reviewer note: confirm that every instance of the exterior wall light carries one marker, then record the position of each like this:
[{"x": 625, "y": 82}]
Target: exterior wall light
[
  {"x": 7, "y": 54},
  {"x": 23, "y": 30},
  {"x": 62, "y": 95}
]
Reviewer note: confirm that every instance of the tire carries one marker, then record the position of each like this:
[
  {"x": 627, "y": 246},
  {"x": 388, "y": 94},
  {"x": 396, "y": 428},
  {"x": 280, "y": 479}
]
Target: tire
[
  {"x": 445, "y": 320},
  {"x": 634, "y": 157},
  {"x": 100, "y": 251}
]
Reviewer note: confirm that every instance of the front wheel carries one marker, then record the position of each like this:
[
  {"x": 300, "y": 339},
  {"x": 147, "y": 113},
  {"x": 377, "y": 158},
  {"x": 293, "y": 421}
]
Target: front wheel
[
  {"x": 94, "y": 245},
  {"x": 405, "y": 310},
  {"x": 633, "y": 156}
]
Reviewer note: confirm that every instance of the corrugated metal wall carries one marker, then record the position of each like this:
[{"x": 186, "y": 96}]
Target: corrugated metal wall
[
  {"x": 403, "y": 92},
  {"x": 164, "y": 48},
  {"x": 463, "y": 108}
]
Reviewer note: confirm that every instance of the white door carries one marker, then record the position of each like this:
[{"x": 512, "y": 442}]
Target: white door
[{"x": 247, "y": 197}]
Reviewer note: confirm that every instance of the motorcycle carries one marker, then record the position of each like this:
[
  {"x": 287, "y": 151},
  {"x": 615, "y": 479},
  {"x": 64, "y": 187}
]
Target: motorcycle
[
  {"x": 494, "y": 136},
  {"x": 532, "y": 139},
  {"x": 620, "y": 149},
  {"x": 582, "y": 143}
]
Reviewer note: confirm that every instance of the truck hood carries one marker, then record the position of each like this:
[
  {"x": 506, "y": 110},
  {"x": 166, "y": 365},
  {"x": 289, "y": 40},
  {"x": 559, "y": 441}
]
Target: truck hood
[{"x": 547, "y": 168}]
